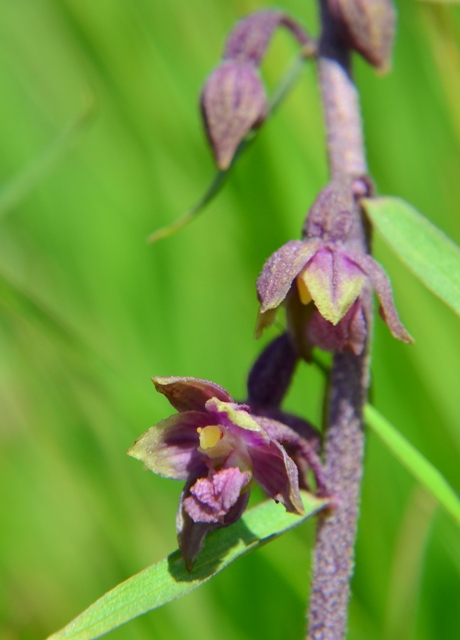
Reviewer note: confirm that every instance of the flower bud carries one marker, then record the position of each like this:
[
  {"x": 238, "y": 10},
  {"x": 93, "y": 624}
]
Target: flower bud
[
  {"x": 251, "y": 36},
  {"x": 233, "y": 101},
  {"x": 368, "y": 26}
]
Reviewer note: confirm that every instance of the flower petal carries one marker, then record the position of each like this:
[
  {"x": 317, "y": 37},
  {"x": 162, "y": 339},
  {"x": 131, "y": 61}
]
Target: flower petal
[
  {"x": 280, "y": 270},
  {"x": 348, "y": 335},
  {"x": 303, "y": 429},
  {"x": 191, "y": 535},
  {"x": 211, "y": 498},
  {"x": 170, "y": 447},
  {"x": 277, "y": 475},
  {"x": 190, "y": 394},
  {"x": 334, "y": 282},
  {"x": 299, "y": 449},
  {"x": 382, "y": 286},
  {"x": 238, "y": 421}
]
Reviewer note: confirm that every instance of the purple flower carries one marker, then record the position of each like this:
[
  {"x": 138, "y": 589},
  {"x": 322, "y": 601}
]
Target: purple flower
[
  {"x": 329, "y": 269},
  {"x": 218, "y": 448}
]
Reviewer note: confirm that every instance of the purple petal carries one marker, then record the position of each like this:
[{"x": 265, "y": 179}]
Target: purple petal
[
  {"x": 211, "y": 498},
  {"x": 233, "y": 101},
  {"x": 191, "y": 535},
  {"x": 170, "y": 447},
  {"x": 348, "y": 335},
  {"x": 277, "y": 475},
  {"x": 333, "y": 281},
  {"x": 304, "y": 429},
  {"x": 300, "y": 450},
  {"x": 238, "y": 420},
  {"x": 382, "y": 286},
  {"x": 190, "y": 394},
  {"x": 280, "y": 270}
]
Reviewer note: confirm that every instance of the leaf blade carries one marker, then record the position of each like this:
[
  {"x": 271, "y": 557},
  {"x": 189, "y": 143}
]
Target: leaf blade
[
  {"x": 169, "y": 579},
  {"x": 425, "y": 249},
  {"x": 423, "y": 470}
]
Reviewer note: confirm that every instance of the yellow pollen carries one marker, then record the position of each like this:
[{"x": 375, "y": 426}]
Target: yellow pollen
[
  {"x": 304, "y": 292},
  {"x": 209, "y": 436}
]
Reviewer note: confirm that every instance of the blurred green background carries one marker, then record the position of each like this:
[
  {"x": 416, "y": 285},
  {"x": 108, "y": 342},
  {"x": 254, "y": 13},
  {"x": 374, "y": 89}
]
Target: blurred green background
[{"x": 89, "y": 311}]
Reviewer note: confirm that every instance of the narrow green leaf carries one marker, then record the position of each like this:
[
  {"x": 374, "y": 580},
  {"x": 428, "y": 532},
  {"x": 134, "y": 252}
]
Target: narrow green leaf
[
  {"x": 426, "y": 250},
  {"x": 169, "y": 579},
  {"x": 415, "y": 462}
]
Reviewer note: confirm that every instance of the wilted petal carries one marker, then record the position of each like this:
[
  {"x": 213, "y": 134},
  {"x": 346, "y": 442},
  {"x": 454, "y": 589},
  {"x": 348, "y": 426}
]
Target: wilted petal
[
  {"x": 277, "y": 475},
  {"x": 233, "y": 101},
  {"x": 349, "y": 334},
  {"x": 280, "y": 270},
  {"x": 333, "y": 281},
  {"x": 211, "y": 498},
  {"x": 382, "y": 286},
  {"x": 189, "y": 394},
  {"x": 170, "y": 447}
]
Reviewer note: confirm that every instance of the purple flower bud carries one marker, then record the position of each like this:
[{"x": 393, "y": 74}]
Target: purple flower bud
[
  {"x": 368, "y": 26},
  {"x": 251, "y": 36},
  {"x": 233, "y": 102},
  {"x": 217, "y": 447}
]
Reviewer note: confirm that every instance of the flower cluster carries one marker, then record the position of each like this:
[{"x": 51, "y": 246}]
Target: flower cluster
[
  {"x": 323, "y": 279},
  {"x": 217, "y": 447}
]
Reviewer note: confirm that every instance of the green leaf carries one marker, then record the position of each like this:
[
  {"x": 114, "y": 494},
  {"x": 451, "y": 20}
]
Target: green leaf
[
  {"x": 169, "y": 579},
  {"x": 415, "y": 462},
  {"x": 426, "y": 250}
]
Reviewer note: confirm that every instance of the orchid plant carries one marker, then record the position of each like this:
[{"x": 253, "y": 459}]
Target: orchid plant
[{"x": 219, "y": 447}]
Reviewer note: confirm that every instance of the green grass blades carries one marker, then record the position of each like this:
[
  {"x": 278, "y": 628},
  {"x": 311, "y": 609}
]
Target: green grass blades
[
  {"x": 415, "y": 462},
  {"x": 169, "y": 579},
  {"x": 426, "y": 250}
]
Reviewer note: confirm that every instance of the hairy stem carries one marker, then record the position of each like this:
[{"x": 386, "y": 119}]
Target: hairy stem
[{"x": 333, "y": 556}]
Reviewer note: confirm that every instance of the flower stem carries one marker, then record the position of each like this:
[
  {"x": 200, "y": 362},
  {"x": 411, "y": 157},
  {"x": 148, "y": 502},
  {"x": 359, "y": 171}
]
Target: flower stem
[{"x": 333, "y": 556}]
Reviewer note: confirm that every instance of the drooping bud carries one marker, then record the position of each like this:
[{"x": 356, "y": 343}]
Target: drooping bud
[
  {"x": 271, "y": 375},
  {"x": 250, "y": 38},
  {"x": 368, "y": 26},
  {"x": 233, "y": 102}
]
